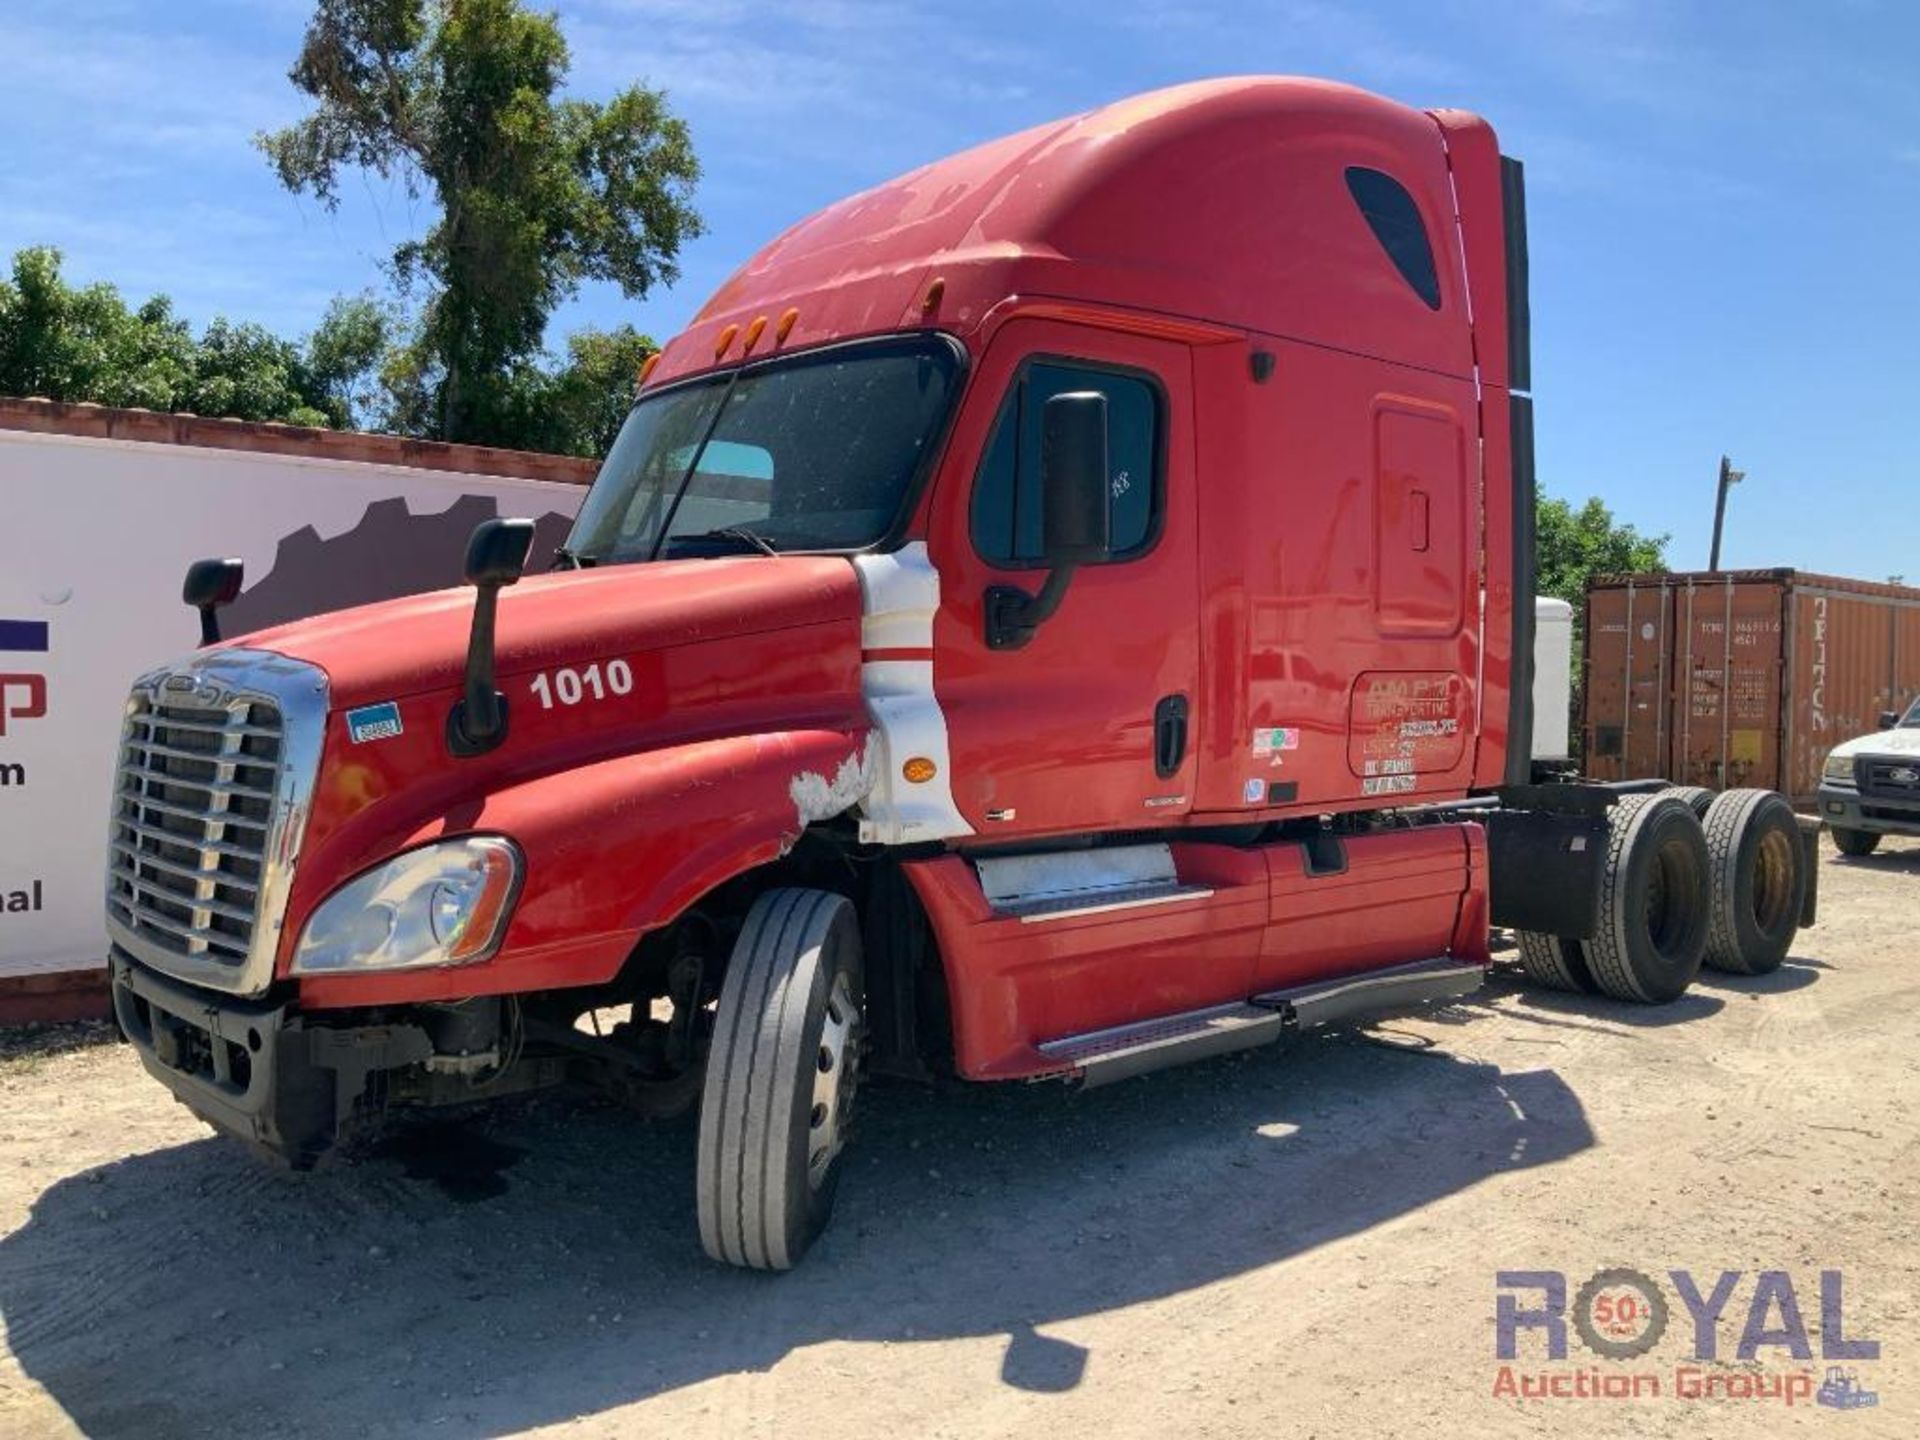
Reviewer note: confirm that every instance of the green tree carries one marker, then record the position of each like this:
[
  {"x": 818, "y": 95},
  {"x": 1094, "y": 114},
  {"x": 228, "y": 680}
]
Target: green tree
[
  {"x": 1572, "y": 544},
  {"x": 86, "y": 343},
  {"x": 536, "y": 195},
  {"x": 344, "y": 355}
]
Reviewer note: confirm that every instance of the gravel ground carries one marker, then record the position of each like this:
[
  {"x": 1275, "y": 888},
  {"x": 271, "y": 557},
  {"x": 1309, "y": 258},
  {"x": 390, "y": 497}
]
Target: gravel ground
[{"x": 1300, "y": 1242}]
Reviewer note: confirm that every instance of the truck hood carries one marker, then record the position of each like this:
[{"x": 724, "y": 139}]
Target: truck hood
[
  {"x": 1902, "y": 742},
  {"x": 418, "y": 643}
]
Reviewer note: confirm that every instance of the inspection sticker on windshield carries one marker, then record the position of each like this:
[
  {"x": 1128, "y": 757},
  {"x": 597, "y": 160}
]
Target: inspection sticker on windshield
[{"x": 374, "y": 722}]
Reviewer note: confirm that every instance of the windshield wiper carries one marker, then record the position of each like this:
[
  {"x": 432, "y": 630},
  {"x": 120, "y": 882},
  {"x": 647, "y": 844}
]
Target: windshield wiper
[{"x": 735, "y": 532}]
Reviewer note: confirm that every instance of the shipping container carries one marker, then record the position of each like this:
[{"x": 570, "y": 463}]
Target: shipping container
[{"x": 1740, "y": 677}]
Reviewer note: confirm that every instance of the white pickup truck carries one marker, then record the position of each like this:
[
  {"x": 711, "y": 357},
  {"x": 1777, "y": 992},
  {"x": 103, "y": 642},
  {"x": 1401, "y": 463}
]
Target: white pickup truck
[{"x": 1871, "y": 785}]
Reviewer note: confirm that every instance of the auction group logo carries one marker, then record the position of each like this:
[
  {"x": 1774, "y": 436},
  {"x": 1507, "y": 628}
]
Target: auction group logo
[
  {"x": 23, "y": 693},
  {"x": 1621, "y": 1315}
]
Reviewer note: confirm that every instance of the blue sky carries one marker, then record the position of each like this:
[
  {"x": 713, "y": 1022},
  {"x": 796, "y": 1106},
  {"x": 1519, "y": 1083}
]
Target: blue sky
[{"x": 1725, "y": 198}]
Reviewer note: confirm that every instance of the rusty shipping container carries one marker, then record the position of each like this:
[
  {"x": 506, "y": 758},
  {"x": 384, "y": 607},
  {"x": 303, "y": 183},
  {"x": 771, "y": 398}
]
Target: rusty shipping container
[{"x": 1740, "y": 677}]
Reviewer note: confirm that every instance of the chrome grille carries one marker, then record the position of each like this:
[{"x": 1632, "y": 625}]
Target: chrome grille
[
  {"x": 217, "y": 763},
  {"x": 1894, "y": 779},
  {"x": 195, "y": 798}
]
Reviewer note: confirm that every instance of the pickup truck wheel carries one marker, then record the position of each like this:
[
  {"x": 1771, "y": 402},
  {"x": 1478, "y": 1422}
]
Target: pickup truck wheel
[
  {"x": 1757, "y": 880},
  {"x": 1698, "y": 797},
  {"x": 1652, "y": 931},
  {"x": 1855, "y": 842},
  {"x": 1554, "y": 962},
  {"x": 780, "y": 1079}
]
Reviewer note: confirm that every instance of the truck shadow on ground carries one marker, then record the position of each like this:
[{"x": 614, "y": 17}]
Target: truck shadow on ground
[
  {"x": 1709, "y": 994},
  {"x": 1893, "y": 862},
  {"x": 192, "y": 1290}
]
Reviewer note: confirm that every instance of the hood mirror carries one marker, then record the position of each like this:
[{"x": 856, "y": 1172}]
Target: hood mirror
[
  {"x": 496, "y": 557},
  {"x": 209, "y": 585}
]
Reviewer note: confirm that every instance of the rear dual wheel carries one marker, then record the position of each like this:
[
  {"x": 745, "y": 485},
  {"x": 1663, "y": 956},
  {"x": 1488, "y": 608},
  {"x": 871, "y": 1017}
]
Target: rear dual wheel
[
  {"x": 1759, "y": 880},
  {"x": 1554, "y": 962},
  {"x": 1651, "y": 933},
  {"x": 1698, "y": 797}
]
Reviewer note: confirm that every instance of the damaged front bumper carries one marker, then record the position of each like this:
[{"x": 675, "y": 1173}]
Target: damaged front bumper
[{"x": 282, "y": 1081}]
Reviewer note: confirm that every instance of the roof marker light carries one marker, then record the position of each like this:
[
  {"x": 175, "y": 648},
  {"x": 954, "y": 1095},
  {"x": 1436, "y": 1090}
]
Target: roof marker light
[
  {"x": 787, "y": 317},
  {"x": 934, "y": 293},
  {"x": 752, "y": 336},
  {"x": 647, "y": 367},
  {"x": 726, "y": 339}
]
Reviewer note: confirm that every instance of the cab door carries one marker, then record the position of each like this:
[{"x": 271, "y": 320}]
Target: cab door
[{"x": 1085, "y": 727}]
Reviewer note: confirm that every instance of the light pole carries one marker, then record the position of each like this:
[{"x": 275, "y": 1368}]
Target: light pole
[{"x": 1729, "y": 477}]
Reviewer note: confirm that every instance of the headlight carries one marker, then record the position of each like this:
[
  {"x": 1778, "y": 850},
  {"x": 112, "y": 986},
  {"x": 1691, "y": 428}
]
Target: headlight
[
  {"x": 1838, "y": 767},
  {"x": 443, "y": 904}
]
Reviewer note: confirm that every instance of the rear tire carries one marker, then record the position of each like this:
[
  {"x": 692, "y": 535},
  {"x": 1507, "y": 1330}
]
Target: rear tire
[
  {"x": 1698, "y": 797},
  {"x": 1554, "y": 962},
  {"x": 1758, "y": 880},
  {"x": 780, "y": 1079},
  {"x": 1652, "y": 930},
  {"x": 1855, "y": 842}
]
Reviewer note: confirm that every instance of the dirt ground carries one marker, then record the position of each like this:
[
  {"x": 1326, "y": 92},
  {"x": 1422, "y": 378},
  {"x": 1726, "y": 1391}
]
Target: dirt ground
[{"x": 1291, "y": 1243}]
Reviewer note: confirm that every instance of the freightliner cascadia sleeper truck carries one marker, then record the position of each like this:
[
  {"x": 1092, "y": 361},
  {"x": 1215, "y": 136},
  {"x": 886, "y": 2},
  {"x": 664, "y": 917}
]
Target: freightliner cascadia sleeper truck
[{"x": 1059, "y": 613}]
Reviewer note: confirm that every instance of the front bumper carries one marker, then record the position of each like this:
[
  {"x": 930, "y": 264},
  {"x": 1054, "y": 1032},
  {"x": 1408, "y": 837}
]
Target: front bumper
[
  {"x": 258, "y": 1071},
  {"x": 1843, "y": 807}
]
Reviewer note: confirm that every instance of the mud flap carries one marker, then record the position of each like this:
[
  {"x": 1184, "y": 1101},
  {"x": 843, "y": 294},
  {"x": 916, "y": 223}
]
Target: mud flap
[{"x": 1546, "y": 870}]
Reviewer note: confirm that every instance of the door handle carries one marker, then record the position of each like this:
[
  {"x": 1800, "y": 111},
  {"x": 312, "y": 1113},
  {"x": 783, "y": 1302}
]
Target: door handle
[{"x": 1169, "y": 735}]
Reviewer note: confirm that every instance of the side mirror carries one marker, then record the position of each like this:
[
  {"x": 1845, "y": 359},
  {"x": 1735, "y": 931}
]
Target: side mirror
[
  {"x": 1075, "y": 520},
  {"x": 209, "y": 585},
  {"x": 1889, "y": 719},
  {"x": 497, "y": 552},
  {"x": 496, "y": 556},
  {"x": 1073, "y": 478}
]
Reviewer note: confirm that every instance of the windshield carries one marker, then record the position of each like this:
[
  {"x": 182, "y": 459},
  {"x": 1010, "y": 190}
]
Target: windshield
[
  {"x": 1912, "y": 719},
  {"x": 816, "y": 452}
]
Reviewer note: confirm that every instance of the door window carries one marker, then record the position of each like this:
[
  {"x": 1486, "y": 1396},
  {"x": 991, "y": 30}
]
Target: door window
[{"x": 1006, "y": 492}]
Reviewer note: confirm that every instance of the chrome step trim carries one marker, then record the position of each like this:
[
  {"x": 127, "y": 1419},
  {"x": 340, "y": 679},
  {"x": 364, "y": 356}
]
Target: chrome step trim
[
  {"x": 1052, "y": 884},
  {"x": 1062, "y": 907}
]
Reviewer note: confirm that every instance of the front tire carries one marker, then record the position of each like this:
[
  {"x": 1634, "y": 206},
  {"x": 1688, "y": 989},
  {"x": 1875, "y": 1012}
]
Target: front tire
[
  {"x": 1855, "y": 842},
  {"x": 780, "y": 1079}
]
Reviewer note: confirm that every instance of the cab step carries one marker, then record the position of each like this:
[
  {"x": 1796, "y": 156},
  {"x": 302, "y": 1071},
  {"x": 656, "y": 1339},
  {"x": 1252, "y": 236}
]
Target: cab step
[
  {"x": 1123, "y": 1051},
  {"x": 1418, "y": 982},
  {"x": 1104, "y": 1056}
]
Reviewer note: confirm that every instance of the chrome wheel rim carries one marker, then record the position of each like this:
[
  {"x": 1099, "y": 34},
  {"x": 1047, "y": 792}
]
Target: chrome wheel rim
[{"x": 834, "y": 1080}]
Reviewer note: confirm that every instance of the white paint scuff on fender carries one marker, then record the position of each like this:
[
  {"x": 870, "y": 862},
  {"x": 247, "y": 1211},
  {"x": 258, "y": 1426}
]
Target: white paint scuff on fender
[
  {"x": 817, "y": 798},
  {"x": 900, "y": 594}
]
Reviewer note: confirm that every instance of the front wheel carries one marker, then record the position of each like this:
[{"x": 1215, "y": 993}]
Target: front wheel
[
  {"x": 780, "y": 1079},
  {"x": 1856, "y": 842}
]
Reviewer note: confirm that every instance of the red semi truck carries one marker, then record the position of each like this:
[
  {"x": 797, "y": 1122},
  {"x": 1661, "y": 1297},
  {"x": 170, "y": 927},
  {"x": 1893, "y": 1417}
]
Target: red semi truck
[{"x": 1060, "y": 613}]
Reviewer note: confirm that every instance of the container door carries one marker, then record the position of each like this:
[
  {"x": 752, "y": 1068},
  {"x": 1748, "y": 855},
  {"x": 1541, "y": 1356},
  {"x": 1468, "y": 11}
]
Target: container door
[
  {"x": 1629, "y": 671},
  {"x": 1729, "y": 658},
  {"x": 1086, "y": 726}
]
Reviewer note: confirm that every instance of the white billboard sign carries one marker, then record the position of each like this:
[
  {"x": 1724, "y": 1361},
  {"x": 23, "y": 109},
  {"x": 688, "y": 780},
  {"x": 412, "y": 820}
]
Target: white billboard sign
[{"x": 98, "y": 535}]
